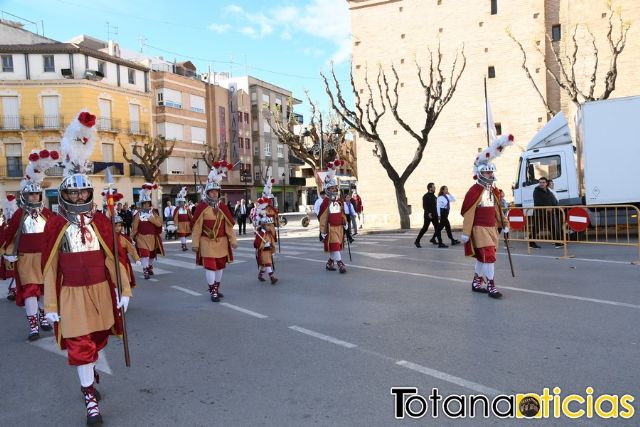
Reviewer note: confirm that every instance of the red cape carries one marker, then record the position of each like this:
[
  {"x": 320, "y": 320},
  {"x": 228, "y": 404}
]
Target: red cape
[
  {"x": 325, "y": 204},
  {"x": 14, "y": 223},
  {"x": 470, "y": 199},
  {"x": 204, "y": 205}
]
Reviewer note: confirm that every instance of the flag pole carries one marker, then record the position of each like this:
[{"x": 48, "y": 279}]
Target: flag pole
[{"x": 486, "y": 109}]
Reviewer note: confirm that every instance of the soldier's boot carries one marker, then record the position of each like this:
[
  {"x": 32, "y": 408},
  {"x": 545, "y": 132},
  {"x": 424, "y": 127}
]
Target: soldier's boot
[
  {"x": 215, "y": 297},
  {"x": 476, "y": 284},
  {"x": 44, "y": 323},
  {"x": 273, "y": 278},
  {"x": 150, "y": 270},
  {"x": 330, "y": 265},
  {"x": 184, "y": 247},
  {"x": 91, "y": 403},
  {"x": 146, "y": 272},
  {"x": 11, "y": 296},
  {"x": 493, "y": 291},
  {"x": 34, "y": 331},
  {"x": 342, "y": 267},
  {"x": 261, "y": 276}
]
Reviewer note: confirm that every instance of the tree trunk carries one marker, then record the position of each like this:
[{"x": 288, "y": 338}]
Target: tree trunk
[{"x": 403, "y": 205}]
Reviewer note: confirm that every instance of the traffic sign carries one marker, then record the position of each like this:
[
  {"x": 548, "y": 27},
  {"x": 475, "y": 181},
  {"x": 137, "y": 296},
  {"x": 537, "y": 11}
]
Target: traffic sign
[
  {"x": 578, "y": 219},
  {"x": 516, "y": 219}
]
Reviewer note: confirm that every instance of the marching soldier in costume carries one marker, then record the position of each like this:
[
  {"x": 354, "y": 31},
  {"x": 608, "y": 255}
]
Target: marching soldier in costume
[
  {"x": 333, "y": 221},
  {"x": 79, "y": 266},
  {"x": 127, "y": 245},
  {"x": 23, "y": 239},
  {"x": 182, "y": 217},
  {"x": 213, "y": 235},
  {"x": 8, "y": 268},
  {"x": 265, "y": 240},
  {"x": 144, "y": 231},
  {"x": 482, "y": 215}
]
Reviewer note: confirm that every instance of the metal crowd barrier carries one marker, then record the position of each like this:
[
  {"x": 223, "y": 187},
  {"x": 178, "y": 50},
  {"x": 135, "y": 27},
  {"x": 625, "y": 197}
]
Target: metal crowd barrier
[{"x": 567, "y": 225}]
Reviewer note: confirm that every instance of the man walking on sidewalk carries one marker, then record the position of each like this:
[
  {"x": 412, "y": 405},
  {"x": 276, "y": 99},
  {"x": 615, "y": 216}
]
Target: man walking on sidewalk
[{"x": 430, "y": 216}]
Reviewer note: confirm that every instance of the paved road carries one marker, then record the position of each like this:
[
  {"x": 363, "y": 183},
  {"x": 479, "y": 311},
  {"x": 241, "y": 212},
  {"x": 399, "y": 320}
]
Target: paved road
[{"x": 324, "y": 349}]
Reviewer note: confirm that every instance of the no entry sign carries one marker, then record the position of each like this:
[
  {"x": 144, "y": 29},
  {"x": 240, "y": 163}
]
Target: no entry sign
[
  {"x": 516, "y": 219},
  {"x": 578, "y": 219}
]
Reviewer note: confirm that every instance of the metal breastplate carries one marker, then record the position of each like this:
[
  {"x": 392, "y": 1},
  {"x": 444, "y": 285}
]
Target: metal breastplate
[
  {"x": 145, "y": 215},
  {"x": 33, "y": 225},
  {"x": 182, "y": 211},
  {"x": 334, "y": 207},
  {"x": 72, "y": 241},
  {"x": 487, "y": 199}
]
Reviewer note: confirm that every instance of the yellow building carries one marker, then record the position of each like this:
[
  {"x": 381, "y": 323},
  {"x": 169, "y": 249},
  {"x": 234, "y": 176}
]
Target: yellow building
[{"x": 42, "y": 88}]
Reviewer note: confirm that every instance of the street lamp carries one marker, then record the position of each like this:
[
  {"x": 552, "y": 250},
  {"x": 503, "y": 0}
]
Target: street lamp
[
  {"x": 245, "y": 174},
  {"x": 284, "y": 191},
  {"x": 194, "y": 168}
]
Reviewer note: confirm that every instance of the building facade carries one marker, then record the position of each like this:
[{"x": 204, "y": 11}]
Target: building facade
[
  {"x": 46, "y": 84},
  {"x": 400, "y": 32}
]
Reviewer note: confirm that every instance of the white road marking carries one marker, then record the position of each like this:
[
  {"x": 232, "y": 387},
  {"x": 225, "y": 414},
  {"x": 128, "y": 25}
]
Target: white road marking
[
  {"x": 50, "y": 344},
  {"x": 449, "y": 378},
  {"x": 244, "y": 310},
  {"x": 175, "y": 263},
  {"x": 188, "y": 291},
  {"x": 323, "y": 337},
  {"x": 376, "y": 255},
  {"x": 154, "y": 280},
  {"x": 452, "y": 279}
]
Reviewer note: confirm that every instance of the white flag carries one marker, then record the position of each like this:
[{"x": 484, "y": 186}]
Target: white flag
[{"x": 490, "y": 124}]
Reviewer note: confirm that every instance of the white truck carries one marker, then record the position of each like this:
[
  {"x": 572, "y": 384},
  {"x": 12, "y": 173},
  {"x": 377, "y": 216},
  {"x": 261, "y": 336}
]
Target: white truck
[{"x": 600, "y": 169}]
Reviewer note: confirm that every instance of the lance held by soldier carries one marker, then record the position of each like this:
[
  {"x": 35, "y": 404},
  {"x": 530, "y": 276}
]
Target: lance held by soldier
[
  {"x": 23, "y": 238},
  {"x": 213, "y": 236},
  {"x": 79, "y": 267}
]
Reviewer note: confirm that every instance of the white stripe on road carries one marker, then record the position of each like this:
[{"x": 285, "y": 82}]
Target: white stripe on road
[
  {"x": 154, "y": 280},
  {"x": 452, "y": 279},
  {"x": 188, "y": 291},
  {"x": 244, "y": 310},
  {"x": 175, "y": 263},
  {"x": 449, "y": 378},
  {"x": 323, "y": 337}
]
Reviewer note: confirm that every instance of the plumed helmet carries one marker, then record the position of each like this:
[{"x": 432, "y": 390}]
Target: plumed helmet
[
  {"x": 483, "y": 162},
  {"x": 39, "y": 162},
  {"x": 330, "y": 179},
  {"x": 146, "y": 193},
  {"x": 217, "y": 173}
]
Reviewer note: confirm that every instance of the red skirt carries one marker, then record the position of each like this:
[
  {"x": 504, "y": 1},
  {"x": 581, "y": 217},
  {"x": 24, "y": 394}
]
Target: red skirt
[
  {"x": 486, "y": 254},
  {"x": 214, "y": 263}
]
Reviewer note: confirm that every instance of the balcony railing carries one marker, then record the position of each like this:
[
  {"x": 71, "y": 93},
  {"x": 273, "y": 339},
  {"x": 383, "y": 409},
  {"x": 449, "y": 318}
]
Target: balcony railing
[
  {"x": 48, "y": 122},
  {"x": 11, "y": 171},
  {"x": 108, "y": 124},
  {"x": 54, "y": 171},
  {"x": 138, "y": 128},
  {"x": 11, "y": 122}
]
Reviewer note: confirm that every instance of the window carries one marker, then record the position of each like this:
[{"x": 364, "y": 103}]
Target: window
[
  {"x": 280, "y": 148},
  {"x": 247, "y": 143},
  {"x": 14, "y": 159},
  {"x": 498, "y": 129},
  {"x": 246, "y": 118},
  {"x": 134, "y": 118},
  {"x": 199, "y": 135},
  {"x": 255, "y": 126},
  {"x": 241, "y": 142},
  {"x": 267, "y": 149},
  {"x": 10, "y": 112},
  {"x": 256, "y": 149},
  {"x": 102, "y": 68},
  {"x": 548, "y": 167},
  {"x": 257, "y": 174},
  {"x": 556, "y": 33},
  {"x": 494, "y": 7},
  {"x": 132, "y": 76},
  {"x": 492, "y": 72},
  {"x": 49, "y": 64},
  {"x": 174, "y": 131},
  {"x": 197, "y": 104},
  {"x": 104, "y": 121},
  {"x": 265, "y": 98},
  {"x": 254, "y": 98},
  {"x": 107, "y": 152},
  {"x": 170, "y": 98},
  {"x": 51, "y": 107},
  {"x": 265, "y": 126},
  {"x": 7, "y": 63}
]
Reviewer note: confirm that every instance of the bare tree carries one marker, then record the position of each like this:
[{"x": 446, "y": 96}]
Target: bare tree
[
  {"x": 149, "y": 156},
  {"x": 561, "y": 67},
  {"x": 210, "y": 155},
  {"x": 324, "y": 136},
  {"x": 366, "y": 114}
]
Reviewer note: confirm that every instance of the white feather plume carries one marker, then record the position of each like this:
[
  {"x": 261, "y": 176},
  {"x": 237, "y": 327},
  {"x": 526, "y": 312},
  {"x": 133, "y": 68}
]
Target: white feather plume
[
  {"x": 494, "y": 150},
  {"x": 39, "y": 162},
  {"x": 9, "y": 207},
  {"x": 77, "y": 146}
]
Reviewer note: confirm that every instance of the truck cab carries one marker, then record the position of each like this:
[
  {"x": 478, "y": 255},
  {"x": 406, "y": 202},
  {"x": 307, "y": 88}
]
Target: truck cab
[{"x": 550, "y": 154}]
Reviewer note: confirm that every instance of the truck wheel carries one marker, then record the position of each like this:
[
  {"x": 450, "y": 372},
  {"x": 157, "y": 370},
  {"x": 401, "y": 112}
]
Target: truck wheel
[{"x": 305, "y": 221}]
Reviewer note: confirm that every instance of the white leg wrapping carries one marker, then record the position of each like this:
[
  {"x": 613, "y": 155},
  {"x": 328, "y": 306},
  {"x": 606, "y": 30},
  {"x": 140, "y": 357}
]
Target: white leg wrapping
[
  {"x": 218, "y": 275},
  {"x": 336, "y": 256},
  {"x": 85, "y": 373},
  {"x": 479, "y": 270},
  {"x": 41, "y": 303},
  {"x": 211, "y": 276},
  {"x": 150, "y": 261},
  {"x": 489, "y": 270},
  {"x": 269, "y": 270},
  {"x": 183, "y": 240},
  {"x": 145, "y": 261},
  {"x": 31, "y": 306}
]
